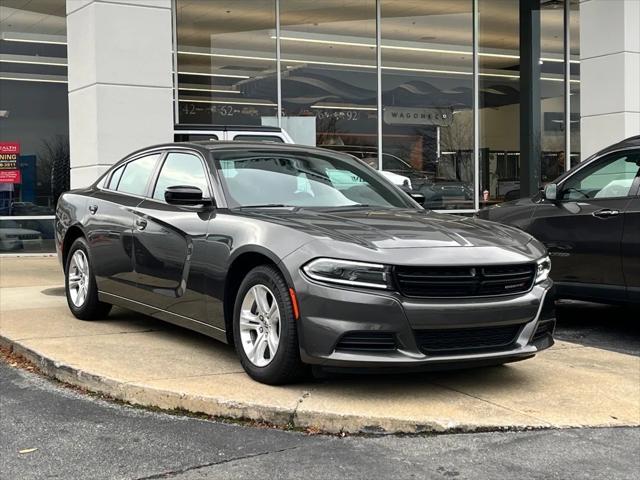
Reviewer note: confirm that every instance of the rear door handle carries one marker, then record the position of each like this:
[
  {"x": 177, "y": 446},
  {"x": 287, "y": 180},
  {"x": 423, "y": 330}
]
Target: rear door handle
[
  {"x": 141, "y": 223},
  {"x": 606, "y": 213},
  {"x": 93, "y": 209}
]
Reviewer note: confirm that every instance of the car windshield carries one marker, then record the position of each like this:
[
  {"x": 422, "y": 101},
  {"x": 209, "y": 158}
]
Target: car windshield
[
  {"x": 390, "y": 162},
  {"x": 288, "y": 178}
]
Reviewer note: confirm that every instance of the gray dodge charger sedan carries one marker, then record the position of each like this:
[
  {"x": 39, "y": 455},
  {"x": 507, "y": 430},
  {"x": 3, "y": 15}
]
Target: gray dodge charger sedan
[{"x": 301, "y": 256}]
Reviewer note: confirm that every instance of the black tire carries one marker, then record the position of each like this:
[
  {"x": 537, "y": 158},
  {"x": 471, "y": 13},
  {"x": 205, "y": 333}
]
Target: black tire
[
  {"x": 285, "y": 366},
  {"x": 91, "y": 308}
]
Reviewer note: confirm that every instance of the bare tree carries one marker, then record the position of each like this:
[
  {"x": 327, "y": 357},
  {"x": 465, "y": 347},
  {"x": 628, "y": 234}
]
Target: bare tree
[{"x": 55, "y": 156}]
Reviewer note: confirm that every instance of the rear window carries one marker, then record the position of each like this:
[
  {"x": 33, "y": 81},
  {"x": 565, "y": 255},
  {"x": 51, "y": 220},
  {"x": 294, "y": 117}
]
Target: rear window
[
  {"x": 195, "y": 137},
  {"x": 259, "y": 138}
]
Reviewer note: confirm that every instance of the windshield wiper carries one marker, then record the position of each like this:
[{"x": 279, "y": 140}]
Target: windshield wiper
[
  {"x": 350, "y": 207},
  {"x": 268, "y": 205}
]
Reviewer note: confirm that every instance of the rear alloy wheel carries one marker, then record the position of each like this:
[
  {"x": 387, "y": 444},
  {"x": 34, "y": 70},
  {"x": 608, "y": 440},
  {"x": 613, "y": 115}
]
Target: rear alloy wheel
[
  {"x": 80, "y": 284},
  {"x": 78, "y": 278},
  {"x": 265, "y": 330}
]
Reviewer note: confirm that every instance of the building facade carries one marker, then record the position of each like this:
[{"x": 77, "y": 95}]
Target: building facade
[{"x": 476, "y": 101}]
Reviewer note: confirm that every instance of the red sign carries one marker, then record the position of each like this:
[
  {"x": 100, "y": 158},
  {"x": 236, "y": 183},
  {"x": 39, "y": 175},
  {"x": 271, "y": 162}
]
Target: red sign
[
  {"x": 9, "y": 152},
  {"x": 10, "y": 176},
  {"x": 10, "y": 147}
]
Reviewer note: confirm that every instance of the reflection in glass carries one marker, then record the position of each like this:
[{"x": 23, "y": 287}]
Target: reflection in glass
[
  {"x": 552, "y": 111},
  {"x": 226, "y": 61},
  {"x": 427, "y": 99},
  {"x": 499, "y": 98},
  {"x": 329, "y": 72}
]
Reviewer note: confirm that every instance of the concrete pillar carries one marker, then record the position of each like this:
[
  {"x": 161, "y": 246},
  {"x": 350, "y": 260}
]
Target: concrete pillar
[
  {"x": 609, "y": 72},
  {"x": 120, "y": 81}
]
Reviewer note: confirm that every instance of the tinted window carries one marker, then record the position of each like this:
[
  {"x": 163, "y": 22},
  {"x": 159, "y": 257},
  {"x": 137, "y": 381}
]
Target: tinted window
[
  {"x": 136, "y": 175},
  {"x": 611, "y": 177},
  {"x": 303, "y": 179},
  {"x": 195, "y": 137},
  {"x": 259, "y": 138},
  {"x": 181, "y": 169},
  {"x": 115, "y": 178}
]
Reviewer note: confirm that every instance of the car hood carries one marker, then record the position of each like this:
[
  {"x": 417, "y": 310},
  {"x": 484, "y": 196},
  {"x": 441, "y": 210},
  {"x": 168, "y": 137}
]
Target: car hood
[{"x": 397, "y": 228}]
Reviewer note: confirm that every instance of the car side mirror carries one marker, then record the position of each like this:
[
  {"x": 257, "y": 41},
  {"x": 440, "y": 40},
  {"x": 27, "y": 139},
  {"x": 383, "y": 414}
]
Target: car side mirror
[
  {"x": 551, "y": 192},
  {"x": 184, "y": 195},
  {"x": 418, "y": 198}
]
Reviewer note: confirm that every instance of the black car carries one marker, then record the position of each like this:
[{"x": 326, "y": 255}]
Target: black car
[
  {"x": 301, "y": 256},
  {"x": 589, "y": 219},
  {"x": 390, "y": 163}
]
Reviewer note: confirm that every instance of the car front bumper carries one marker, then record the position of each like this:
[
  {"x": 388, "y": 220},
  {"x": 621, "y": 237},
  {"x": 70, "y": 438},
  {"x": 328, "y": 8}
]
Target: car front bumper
[{"x": 329, "y": 314}]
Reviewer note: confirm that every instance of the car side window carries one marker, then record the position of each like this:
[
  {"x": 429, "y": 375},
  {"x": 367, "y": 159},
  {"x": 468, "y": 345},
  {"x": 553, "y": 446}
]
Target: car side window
[
  {"x": 115, "y": 178},
  {"x": 181, "y": 169},
  {"x": 136, "y": 175},
  {"x": 610, "y": 178}
]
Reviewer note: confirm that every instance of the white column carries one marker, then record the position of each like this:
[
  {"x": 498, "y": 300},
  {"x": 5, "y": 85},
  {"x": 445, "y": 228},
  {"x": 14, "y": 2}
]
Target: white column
[
  {"x": 120, "y": 81},
  {"x": 609, "y": 72}
]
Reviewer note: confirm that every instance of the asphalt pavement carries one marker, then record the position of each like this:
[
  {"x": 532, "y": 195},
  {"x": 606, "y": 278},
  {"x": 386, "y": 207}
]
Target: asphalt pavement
[{"x": 69, "y": 435}]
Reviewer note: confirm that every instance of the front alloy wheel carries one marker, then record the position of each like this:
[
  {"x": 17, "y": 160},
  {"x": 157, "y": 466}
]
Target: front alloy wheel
[
  {"x": 264, "y": 328},
  {"x": 260, "y": 325}
]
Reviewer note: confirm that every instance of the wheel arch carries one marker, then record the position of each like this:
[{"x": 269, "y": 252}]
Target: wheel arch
[
  {"x": 73, "y": 232},
  {"x": 240, "y": 264}
]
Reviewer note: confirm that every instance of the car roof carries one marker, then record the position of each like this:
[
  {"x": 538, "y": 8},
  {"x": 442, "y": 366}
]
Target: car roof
[
  {"x": 631, "y": 142},
  {"x": 205, "y": 146}
]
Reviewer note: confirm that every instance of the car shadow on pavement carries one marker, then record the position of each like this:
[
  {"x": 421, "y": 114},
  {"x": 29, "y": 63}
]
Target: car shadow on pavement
[{"x": 611, "y": 327}]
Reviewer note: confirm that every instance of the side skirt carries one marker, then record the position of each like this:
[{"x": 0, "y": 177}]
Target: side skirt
[{"x": 165, "y": 316}]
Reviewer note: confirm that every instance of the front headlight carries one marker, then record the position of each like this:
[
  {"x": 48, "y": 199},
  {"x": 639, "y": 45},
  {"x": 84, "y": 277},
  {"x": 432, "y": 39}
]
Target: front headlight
[
  {"x": 543, "y": 268},
  {"x": 345, "y": 272}
]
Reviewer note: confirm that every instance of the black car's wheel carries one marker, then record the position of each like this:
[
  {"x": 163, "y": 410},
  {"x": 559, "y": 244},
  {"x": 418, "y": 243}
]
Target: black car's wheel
[
  {"x": 80, "y": 284},
  {"x": 264, "y": 328}
]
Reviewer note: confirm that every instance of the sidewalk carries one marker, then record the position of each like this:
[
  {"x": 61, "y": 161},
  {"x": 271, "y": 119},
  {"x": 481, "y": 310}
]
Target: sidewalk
[{"x": 143, "y": 361}]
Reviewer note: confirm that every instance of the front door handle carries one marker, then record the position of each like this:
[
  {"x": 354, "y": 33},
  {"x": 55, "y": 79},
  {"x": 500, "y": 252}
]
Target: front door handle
[
  {"x": 606, "y": 213},
  {"x": 141, "y": 223},
  {"x": 93, "y": 209}
]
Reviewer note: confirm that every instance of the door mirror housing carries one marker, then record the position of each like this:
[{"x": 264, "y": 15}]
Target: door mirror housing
[
  {"x": 418, "y": 198},
  {"x": 184, "y": 195},
  {"x": 551, "y": 192}
]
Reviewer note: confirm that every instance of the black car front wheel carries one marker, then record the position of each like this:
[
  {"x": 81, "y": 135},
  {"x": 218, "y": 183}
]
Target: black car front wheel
[
  {"x": 264, "y": 328},
  {"x": 80, "y": 284}
]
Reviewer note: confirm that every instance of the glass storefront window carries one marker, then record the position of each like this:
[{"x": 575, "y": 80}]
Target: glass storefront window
[
  {"x": 427, "y": 99},
  {"x": 329, "y": 82},
  {"x": 574, "y": 84},
  {"x": 226, "y": 61},
  {"x": 499, "y": 98},
  {"x": 34, "y": 124},
  {"x": 552, "y": 111}
]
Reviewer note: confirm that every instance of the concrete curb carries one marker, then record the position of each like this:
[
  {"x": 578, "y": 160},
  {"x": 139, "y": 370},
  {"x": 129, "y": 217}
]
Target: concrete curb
[
  {"x": 326, "y": 422},
  {"x": 137, "y": 393},
  {"x": 143, "y": 395}
]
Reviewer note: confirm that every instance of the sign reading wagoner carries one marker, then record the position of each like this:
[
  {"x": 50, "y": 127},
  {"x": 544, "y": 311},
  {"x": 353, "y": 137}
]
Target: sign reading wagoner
[
  {"x": 9, "y": 152},
  {"x": 417, "y": 116}
]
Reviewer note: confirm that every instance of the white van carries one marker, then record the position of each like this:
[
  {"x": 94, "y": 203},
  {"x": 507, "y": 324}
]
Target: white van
[{"x": 191, "y": 133}]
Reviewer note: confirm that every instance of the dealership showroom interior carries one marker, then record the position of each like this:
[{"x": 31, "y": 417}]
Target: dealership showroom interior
[{"x": 330, "y": 238}]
